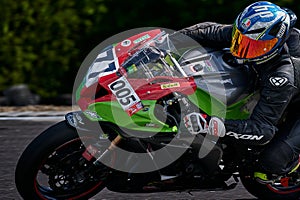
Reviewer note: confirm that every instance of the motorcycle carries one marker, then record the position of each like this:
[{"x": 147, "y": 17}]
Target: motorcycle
[{"x": 131, "y": 135}]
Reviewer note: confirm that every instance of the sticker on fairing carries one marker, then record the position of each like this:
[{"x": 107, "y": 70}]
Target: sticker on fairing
[
  {"x": 126, "y": 96},
  {"x": 169, "y": 85},
  {"x": 105, "y": 63}
]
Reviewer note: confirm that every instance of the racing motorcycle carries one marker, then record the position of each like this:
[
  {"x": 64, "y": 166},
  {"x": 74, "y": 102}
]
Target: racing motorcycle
[{"x": 131, "y": 133}]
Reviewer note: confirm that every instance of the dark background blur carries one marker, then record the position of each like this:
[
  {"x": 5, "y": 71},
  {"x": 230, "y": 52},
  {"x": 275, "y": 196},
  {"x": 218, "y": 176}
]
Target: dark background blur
[{"x": 43, "y": 42}]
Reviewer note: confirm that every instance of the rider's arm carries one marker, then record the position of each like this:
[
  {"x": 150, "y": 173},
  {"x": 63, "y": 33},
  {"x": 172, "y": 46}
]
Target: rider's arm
[
  {"x": 277, "y": 89},
  {"x": 210, "y": 34},
  {"x": 293, "y": 42}
]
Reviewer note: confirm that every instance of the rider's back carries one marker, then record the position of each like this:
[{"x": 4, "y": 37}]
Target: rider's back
[{"x": 293, "y": 44}]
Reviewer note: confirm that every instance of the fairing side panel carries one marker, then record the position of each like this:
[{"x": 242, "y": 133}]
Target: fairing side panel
[{"x": 143, "y": 120}]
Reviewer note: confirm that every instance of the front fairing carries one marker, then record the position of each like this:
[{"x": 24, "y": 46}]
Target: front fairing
[{"x": 125, "y": 81}]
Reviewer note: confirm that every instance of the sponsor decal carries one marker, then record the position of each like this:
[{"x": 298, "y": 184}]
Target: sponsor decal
[
  {"x": 263, "y": 11},
  {"x": 244, "y": 136},
  {"x": 126, "y": 96},
  {"x": 281, "y": 31},
  {"x": 126, "y": 43},
  {"x": 145, "y": 37},
  {"x": 135, "y": 108},
  {"x": 90, "y": 153},
  {"x": 169, "y": 85},
  {"x": 131, "y": 69},
  {"x": 71, "y": 120},
  {"x": 209, "y": 66},
  {"x": 152, "y": 125},
  {"x": 246, "y": 23},
  {"x": 278, "y": 81},
  {"x": 92, "y": 115},
  {"x": 215, "y": 128},
  {"x": 74, "y": 119}
]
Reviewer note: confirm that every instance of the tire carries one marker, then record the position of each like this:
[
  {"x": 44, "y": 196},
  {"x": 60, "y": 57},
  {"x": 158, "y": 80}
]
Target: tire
[
  {"x": 60, "y": 141},
  {"x": 266, "y": 191}
]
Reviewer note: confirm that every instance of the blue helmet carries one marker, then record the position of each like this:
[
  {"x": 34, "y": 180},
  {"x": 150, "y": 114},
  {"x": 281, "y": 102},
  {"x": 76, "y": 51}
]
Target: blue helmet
[{"x": 259, "y": 32}]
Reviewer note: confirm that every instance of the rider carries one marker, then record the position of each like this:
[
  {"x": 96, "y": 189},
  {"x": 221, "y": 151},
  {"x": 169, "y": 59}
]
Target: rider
[{"x": 263, "y": 36}]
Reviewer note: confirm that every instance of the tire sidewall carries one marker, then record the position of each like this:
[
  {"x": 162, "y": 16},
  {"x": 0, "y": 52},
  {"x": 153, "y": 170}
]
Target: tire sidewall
[
  {"x": 36, "y": 152},
  {"x": 263, "y": 192}
]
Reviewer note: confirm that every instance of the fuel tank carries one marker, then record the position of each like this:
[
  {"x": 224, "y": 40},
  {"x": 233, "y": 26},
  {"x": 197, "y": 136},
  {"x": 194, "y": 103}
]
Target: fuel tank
[{"x": 216, "y": 72}]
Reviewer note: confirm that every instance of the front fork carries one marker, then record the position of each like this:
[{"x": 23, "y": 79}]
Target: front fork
[
  {"x": 108, "y": 152},
  {"x": 80, "y": 122}
]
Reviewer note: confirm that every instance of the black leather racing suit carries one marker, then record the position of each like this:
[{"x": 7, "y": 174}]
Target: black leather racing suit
[{"x": 278, "y": 82}]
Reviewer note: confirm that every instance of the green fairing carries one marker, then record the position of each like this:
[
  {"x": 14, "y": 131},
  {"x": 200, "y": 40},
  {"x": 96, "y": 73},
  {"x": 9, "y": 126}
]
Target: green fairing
[
  {"x": 79, "y": 89},
  {"x": 213, "y": 107},
  {"x": 237, "y": 110},
  {"x": 143, "y": 120}
]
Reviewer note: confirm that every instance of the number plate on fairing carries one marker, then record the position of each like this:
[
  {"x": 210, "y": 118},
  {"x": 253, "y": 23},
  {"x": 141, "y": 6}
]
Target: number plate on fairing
[{"x": 126, "y": 96}]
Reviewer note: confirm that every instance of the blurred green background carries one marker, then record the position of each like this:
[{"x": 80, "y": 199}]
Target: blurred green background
[{"x": 43, "y": 42}]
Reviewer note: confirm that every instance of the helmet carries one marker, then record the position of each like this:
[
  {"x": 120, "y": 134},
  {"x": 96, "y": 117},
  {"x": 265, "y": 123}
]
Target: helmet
[{"x": 259, "y": 32}]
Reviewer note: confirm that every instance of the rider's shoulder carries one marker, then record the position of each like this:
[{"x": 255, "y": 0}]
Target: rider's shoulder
[
  {"x": 295, "y": 31},
  {"x": 293, "y": 42}
]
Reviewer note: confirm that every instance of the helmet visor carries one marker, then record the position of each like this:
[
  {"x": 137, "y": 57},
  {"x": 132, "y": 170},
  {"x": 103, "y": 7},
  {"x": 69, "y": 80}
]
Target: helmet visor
[{"x": 247, "y": 48}]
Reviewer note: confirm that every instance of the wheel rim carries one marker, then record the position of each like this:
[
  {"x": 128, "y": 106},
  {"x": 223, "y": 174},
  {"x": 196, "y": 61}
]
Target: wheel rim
[
  {"x": 286, "y": 185},
  {"x": 65, "y": 173}
]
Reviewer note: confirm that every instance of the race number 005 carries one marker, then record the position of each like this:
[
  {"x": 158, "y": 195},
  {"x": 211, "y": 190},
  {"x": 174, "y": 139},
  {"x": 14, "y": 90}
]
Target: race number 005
[{"x": 124, "y": 93}]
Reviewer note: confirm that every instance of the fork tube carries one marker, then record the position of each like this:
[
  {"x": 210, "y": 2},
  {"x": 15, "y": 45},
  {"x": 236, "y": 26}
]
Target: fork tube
[{"x": 108, "y": 151}]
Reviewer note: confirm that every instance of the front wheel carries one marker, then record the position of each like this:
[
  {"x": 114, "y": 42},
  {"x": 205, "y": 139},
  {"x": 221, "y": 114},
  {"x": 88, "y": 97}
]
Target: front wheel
[{"x": 53, "y": 167}]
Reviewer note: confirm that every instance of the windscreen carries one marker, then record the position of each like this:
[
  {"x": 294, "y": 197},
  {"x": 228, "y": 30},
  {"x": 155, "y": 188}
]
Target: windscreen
[{"x": 155, "y": 58}]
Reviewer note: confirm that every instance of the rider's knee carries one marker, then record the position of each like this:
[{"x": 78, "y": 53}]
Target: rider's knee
[{"x": 278, "y": 158}]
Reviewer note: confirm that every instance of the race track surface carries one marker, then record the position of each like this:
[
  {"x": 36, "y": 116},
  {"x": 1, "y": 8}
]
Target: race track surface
[{"x": 16, "y": 134}]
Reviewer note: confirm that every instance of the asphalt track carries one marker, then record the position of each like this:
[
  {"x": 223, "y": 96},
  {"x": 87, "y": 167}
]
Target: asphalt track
[{"x": 17, "y": 132}]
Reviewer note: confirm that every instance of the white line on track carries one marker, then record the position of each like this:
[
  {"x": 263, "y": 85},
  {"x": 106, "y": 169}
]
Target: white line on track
[{"x": 41, "y": 118}]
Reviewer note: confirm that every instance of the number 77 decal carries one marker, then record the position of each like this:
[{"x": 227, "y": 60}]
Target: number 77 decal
[{"x": 106, "y": 63}]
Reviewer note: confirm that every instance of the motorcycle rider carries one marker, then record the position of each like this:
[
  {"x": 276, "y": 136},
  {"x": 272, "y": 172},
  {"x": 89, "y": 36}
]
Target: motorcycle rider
[{"x": 263, "y": 36}]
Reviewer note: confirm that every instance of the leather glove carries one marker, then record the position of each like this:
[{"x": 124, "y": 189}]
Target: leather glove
[
  {"x": 200, "y": 123},
  {"x": 196, "y": 123},
  {"x": 216, "y": 127}
]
